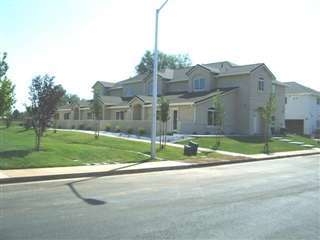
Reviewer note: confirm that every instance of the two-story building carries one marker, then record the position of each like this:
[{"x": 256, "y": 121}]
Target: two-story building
[
  {"x": 302, "y": 115},
  {"x": 190, "y": 91}
]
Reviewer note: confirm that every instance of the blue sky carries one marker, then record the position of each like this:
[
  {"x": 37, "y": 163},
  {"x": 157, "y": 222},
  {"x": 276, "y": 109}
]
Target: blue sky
[{"x": 82, "y": 41}]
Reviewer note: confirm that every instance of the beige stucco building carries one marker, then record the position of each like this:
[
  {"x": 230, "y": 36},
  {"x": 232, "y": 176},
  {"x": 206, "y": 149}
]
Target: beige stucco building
[{"x": 127, "y": 104}]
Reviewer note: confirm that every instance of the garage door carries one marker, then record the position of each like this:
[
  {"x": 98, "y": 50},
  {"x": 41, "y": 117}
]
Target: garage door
[{"x": 294, "y": 126}]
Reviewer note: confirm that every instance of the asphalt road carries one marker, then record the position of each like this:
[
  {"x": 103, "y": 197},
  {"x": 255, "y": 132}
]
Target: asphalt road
[{"x": 277, "y": 199}]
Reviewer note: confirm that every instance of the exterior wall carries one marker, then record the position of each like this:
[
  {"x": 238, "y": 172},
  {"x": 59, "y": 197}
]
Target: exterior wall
[
  {"x": 145, "y": 86},
  {"x": 133, "y": 89},
  {"x": 178, "y": 86},
  {"x": 199, "y": 72},
  {"x": 303, "y": 107},
  {"x": 99, "y": 89},
  {"x": 258, "y": 99},
  {"x": 115, "y": 92},
  {"x": 194, "y": 119},
  {"x": 241, "y": 103},
  {"x": 280, "y": 108}
]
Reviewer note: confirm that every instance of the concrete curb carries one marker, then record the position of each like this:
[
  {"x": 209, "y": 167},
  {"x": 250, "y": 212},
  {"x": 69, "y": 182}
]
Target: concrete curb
[{"x": 142, "y": 170}]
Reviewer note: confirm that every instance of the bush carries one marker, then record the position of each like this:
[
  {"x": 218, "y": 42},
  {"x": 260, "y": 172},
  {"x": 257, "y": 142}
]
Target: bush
[
  {"x": 141, "y": 131},
  {"x": 283, "y": 131},
  {"x": 82, "y": 126},
  {"x": 117, "y": 128},
  {"x": 130, "y": 131},
  {"x": 89, "y": 128},
  {"x": 108, "y": 128},
  {"x": 72, "y": 127}
]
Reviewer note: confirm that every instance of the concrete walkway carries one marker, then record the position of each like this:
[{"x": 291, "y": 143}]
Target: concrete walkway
[{"x": 40, "y": 174}]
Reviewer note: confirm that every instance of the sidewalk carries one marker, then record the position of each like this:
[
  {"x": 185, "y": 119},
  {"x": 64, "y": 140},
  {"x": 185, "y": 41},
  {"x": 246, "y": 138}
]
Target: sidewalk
[{"x": 41, "y": 174}]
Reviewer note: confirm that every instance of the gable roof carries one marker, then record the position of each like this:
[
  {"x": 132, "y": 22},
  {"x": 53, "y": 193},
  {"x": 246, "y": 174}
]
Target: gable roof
[
  {"x": 223, "y": 68},
  {"x": 105, "y": 84},
  {"x": 294, "y": 87}
]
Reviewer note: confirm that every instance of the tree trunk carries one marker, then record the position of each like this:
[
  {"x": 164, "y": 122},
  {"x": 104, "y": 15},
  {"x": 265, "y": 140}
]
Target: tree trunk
[{"x": 165, "y": 135}]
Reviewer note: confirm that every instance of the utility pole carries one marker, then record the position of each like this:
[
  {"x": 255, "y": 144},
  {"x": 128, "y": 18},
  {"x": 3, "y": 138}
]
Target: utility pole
[{"x": 154, "y": 87}]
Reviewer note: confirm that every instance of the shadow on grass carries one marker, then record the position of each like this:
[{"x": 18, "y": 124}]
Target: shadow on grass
[{"x": 14, "y": 153}]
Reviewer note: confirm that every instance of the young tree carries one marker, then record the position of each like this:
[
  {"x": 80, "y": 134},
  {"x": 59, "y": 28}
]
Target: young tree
[
  {"x": 164, "y": 117},
  {"x": 165, "y": 61},
  {"x": 218, "y": 119},
  {"x": 97, "y": 112},
  {"x": 44, "y": 96},
  {"x": 266, "y": 113},
  {"x": 7, "y": 96}
]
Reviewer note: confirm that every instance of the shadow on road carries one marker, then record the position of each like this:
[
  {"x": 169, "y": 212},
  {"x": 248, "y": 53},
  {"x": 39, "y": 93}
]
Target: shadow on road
[{"x": 93, "y": 201}]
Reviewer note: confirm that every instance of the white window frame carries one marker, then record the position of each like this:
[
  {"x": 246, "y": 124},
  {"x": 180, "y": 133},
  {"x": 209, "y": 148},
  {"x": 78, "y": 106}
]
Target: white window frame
[{"x": 199, "y": 84}]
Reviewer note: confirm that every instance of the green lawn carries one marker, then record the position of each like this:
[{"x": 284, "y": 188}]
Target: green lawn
[
  {"x": 71, "y": 149},
  {"x": 252, "y": 145}
]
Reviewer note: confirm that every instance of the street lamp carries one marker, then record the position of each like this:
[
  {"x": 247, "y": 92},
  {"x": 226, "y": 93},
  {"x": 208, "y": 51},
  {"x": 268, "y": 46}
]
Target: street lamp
[{"x": 154, "y": 87}]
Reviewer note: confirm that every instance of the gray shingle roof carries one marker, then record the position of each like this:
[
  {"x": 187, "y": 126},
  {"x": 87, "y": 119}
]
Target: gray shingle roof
[
  {"x": 106, "y": 84},
  {"x": 111, "y": 100},
  {"x": 294, "y": 87}
]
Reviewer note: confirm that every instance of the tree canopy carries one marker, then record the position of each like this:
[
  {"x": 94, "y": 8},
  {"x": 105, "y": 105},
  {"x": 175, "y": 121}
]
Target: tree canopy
[
  {"x": 7, "y": 96},
  {"x": 164, "y": 61},
  {"x": 44, "y": 96}
]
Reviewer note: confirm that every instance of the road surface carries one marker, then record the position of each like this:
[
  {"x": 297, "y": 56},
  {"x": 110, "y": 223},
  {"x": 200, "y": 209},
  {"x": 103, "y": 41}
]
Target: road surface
[{"x": 275, "y": 199}]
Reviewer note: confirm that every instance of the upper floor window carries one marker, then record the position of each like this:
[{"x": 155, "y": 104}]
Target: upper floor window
[
  {"x": 261, "y": 85},
  {"x": 199, "y": 84}
]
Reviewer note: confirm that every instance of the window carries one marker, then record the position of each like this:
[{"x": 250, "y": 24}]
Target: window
[
  {"x": 212, "y": 118},
  {"x": 285, "y": 100},
  {"x": 66, "y": 116},
  {"x": 273, "y": 88},
  {"x": 120, "y": 115},
  {"x": 261, "y": 85},
  {"x": 199, "y": 84},
  {"x": 318, "y": 100},
  {"x": 89, "y": 115},
  {"x": 56, "y": 116}
]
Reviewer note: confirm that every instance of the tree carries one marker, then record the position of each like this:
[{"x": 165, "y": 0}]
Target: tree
[
  {"x": 218, "y": 119},
  {"x": 7, "y": 96},
  {"x": 69, "y": 98},
  {"x": 44, "y": 96},
  {"x": 266, "y": 114},
  {"x": 97, "y": 112},
  {"x": 165, "y": 61},
  {"x": 164, "y": 117}
]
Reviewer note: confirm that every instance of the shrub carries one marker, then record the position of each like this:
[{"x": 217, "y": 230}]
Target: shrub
[
  {"x": 117, "y": 128},
  {"x": 89, "y": 128},
  {"x": 130, "y": 131},
  {"x": 72, "y": 127},
  {"x": 108, "y": 127},
  {"x": 82, "y": 126},
  {"x": 283, "y": 131},
  {"x": 141, "y": 131}
]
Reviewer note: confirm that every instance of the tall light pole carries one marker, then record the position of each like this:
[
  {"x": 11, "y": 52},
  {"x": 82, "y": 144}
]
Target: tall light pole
[{"x": 155, "y": 86}]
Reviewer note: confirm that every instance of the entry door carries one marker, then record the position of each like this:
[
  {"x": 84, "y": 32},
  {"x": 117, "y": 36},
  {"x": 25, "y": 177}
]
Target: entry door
[{"x": 175, "y": 119}]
